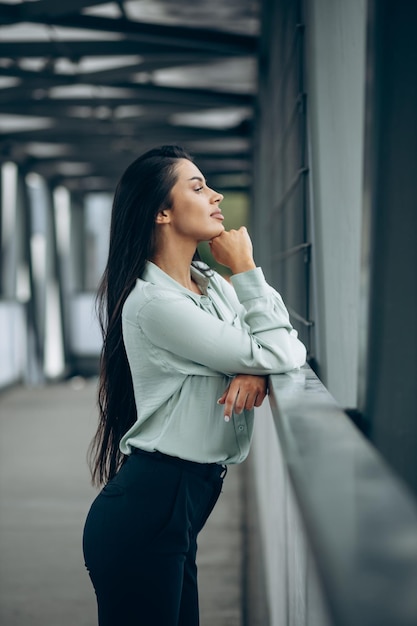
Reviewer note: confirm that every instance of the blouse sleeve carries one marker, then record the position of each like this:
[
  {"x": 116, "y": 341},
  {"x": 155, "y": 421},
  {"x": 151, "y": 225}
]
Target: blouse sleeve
[{"x": 267, "y": 345}]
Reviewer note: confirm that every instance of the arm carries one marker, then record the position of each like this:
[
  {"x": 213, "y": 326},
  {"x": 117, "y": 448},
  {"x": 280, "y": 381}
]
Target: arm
[
  {"x": 266, "y": 345},
  {"x": 173, "y": 322},
  {"x": 244, "y": 391}
]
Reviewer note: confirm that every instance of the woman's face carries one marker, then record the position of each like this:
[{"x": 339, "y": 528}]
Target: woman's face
[{"x": 195, "y": 213}]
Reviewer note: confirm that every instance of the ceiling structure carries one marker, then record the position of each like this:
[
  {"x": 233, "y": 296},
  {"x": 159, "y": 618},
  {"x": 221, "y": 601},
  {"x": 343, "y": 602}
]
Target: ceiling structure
[{"x": 87, "y": 86}]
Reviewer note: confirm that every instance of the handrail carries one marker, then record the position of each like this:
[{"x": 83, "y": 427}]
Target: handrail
[{"x": 360, "y": 520}]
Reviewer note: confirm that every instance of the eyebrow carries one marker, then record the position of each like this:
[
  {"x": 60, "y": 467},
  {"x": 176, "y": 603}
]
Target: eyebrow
[{"x": 197, "y": 178}]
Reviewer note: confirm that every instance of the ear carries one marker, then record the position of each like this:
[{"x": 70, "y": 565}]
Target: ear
[{"x": 163, "y": 217}]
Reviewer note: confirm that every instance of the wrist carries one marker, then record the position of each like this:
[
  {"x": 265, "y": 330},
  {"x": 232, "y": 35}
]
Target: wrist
[{"x": 243, "y": 266}]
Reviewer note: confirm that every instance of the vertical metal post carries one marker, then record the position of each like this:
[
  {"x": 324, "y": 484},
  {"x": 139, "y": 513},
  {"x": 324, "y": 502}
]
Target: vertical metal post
[{"x": 281, "y": 162}]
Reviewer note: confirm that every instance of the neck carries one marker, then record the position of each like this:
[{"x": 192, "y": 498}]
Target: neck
[{"x": 176, "y": 263}]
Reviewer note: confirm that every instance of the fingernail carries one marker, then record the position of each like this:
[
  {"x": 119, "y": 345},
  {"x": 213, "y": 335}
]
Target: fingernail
[{"x": 227, "y": 418}]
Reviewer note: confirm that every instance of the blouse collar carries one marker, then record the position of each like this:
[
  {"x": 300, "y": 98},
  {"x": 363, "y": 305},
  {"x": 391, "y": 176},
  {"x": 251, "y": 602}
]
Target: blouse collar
[{"x": 154, "y": 274}]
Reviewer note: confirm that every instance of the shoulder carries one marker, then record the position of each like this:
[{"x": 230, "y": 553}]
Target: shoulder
[{"x": 146, "y": 299}]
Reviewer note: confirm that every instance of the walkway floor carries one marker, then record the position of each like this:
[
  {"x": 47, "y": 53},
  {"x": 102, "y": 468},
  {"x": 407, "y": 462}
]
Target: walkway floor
[{"x": 44, "y": 496}]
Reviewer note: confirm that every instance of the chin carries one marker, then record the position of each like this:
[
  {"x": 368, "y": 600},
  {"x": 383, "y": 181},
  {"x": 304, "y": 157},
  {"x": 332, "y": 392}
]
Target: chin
[{"x": 214, "y": 233}]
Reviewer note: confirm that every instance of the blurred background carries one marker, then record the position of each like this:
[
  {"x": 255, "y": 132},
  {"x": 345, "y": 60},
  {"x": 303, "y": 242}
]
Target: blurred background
[{"x": 86, "y": 88}]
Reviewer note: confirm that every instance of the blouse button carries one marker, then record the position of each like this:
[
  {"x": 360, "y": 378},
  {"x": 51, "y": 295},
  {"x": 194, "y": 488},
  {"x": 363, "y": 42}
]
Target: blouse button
[{"x": 241, "y": 427}]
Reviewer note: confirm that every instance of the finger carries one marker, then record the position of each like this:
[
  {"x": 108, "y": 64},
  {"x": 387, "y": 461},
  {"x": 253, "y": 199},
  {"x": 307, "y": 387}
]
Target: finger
[
  {"x": 250, "y": 402},
  {"x": 253, "y": 400},
  {"x": 223, "y": 397},
  {"x": 232, "y": 394},
  {"x": 260, "y": 398},
  {"x": 241, "y": 401}
]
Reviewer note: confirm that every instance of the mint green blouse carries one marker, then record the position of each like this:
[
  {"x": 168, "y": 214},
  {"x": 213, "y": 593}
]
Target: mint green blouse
[{"x": 183, "y": 349}]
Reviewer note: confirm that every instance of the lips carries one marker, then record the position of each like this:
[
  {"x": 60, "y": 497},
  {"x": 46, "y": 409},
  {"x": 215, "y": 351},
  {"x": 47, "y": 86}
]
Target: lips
[{"x": 217, "y": 215}]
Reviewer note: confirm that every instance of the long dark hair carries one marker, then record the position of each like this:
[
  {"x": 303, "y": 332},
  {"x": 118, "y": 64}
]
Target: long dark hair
[{"x": 143, "y": 190}]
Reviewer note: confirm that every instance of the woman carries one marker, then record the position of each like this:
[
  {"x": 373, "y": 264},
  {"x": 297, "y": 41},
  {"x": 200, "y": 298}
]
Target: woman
[{"x": 184, "y": 362}]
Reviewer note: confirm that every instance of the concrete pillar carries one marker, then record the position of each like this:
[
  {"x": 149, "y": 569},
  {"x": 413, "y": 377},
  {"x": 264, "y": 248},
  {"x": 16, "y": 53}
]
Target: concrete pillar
[
  {"x": 54, "y": 362},
  {"x": 388, "y": 340},
  {"x": 77, "y": 244},
  {"x": 8, "y": 230},
  {"x": 34, "y": 372}
]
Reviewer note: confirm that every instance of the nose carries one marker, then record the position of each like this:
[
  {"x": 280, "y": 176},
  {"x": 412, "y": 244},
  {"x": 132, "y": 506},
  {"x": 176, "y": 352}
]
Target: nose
[{"x": 217, "y": 197}]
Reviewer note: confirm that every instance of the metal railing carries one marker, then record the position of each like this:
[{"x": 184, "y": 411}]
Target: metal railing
[{"x": 359, "y": 521}]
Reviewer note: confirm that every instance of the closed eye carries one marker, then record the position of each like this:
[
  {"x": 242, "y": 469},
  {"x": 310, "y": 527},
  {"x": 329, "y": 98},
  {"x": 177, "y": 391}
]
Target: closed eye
[{"x": 200, "y": 179}]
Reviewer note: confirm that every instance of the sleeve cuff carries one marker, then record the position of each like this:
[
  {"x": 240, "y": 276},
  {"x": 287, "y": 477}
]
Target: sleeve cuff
[{"x": 249, "y": 285}]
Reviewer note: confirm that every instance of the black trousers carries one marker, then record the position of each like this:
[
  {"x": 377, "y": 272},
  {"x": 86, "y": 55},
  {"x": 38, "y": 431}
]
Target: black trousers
[{"x": 140, "y": 540}]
